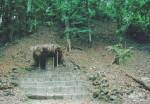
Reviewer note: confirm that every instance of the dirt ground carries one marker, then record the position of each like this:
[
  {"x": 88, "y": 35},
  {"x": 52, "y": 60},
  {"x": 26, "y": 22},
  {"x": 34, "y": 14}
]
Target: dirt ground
[{"x": 93, "y": 60}]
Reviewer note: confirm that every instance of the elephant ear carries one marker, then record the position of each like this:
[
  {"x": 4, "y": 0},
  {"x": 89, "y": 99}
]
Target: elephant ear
[
  {"x": 33, "y": 48},
  {"x": 57, "y": 49},
  {"x": 36, "y": 49},
  {"x": 45, "y": 49}
]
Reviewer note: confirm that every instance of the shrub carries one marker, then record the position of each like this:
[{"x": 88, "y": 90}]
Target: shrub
[
  {"x": 121, "y": 54},
  {"x": 137, "y": 32}
]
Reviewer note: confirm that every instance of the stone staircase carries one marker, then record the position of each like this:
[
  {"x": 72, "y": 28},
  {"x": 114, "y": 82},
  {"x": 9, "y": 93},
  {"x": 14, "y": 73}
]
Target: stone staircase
[{"x": 55, "y": 84}]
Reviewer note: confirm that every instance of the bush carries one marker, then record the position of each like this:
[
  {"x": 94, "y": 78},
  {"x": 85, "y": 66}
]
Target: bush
[
  {"x": 137, "y": 32},
  {"x": 121, "y": 54}
]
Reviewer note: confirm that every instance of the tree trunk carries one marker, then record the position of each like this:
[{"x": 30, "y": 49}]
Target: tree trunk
[
  {"x": 68, "y": 35},
  {"x": 90, "y": 36},
  {"x": 88, "y": 19}
]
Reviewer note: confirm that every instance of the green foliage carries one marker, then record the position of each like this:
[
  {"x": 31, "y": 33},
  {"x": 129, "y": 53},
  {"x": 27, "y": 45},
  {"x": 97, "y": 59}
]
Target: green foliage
[
  {"x": 121, "y": 54},
  {"x": 133, "y": 11},
  {"x": 75, "y": 15},
  {"x": 12, "y": 18}
]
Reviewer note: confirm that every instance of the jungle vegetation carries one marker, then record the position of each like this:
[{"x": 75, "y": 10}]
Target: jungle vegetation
[{"x": 19, "y": 18}]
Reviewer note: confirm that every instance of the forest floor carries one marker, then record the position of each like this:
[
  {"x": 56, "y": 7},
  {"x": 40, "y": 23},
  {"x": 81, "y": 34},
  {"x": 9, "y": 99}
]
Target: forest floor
[{"x": 93, "y": 60}]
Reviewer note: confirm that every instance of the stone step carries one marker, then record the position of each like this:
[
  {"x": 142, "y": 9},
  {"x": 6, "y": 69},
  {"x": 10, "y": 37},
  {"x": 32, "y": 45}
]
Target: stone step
[
  {"x": 51, "y": 74},
  {"x": 59, "y": 101},
  {"x": 44, "y": 78},
  {"x": 54, "y": 72},
  {"x": 63, "y": 89},
  {"x": 57, "y": 96},
  {"x": 53, "y": 83}
]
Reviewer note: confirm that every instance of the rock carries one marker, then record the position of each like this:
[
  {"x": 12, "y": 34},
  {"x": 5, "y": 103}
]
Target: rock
[
  {"x": 104, "y": 85},
  {"x": 13, "y": 77},
  {"x": 113, "y": 97},
  {"x": 104, "y": 80},
  {"x": 95, "y": 94},
  {"x": 103, "y": 75},
  {"x": 145, "y": 79},
  {"x": 29, "y": 69},
  {"x": 28, "y": 61},
  {"x": 92, "y": 78},
  {"x": 137, "y": 95},
  {"x": 91, "y": 68},
  {"x": 96, "y": 83},
  {"x": 105, "y": 98},
  {"x": 94, "y": 67},
  {"x": 8, "y": 93},
  {"x": 130, "y": 92},
  {"x": 75, "y": 68},
  {"x": 4, "y": 87},
  {"x": 15, "y": 84},
  {"x": 14, "y": 69},
  {"x": 6, "y": 76},
  {"x": 115, "y": 92}
]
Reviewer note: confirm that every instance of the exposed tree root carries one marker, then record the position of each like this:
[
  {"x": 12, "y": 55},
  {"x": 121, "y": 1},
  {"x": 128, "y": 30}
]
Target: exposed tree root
[{"x": 145, "y": 86}]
